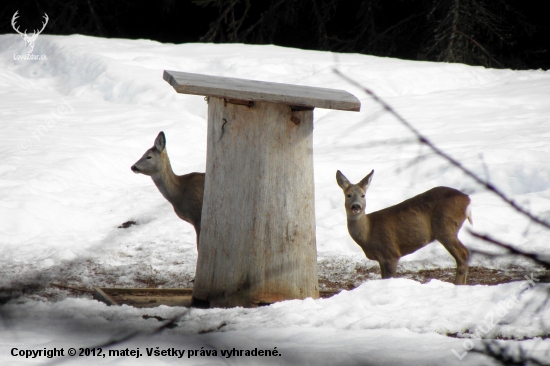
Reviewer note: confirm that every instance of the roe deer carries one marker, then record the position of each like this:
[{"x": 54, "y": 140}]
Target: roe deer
[
  {"x": 393, "y": 232},
  {"x": 184, "y": 192}
]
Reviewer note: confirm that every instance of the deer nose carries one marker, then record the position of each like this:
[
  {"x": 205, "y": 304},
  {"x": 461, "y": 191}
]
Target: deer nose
[
  {"x": 135, "y": 169},
  {"x": 356, "y": 208}
]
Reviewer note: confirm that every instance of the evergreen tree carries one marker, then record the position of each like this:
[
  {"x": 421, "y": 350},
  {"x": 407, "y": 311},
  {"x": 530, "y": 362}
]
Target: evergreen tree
[{"x": 475, "y": 32}]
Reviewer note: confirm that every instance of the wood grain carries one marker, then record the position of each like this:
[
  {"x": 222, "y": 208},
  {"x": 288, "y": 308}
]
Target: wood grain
[
  {"x": 257, "y": 243},
  {"x": 241, "y": 89}
]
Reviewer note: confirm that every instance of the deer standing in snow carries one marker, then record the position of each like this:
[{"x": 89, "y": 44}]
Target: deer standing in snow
[
  {"x": 184, "y": 192},
  {"x": 393, "y": 232}
]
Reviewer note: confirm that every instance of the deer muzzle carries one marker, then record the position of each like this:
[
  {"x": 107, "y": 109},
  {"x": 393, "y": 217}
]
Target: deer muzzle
[{"x": 356, "y": 208}]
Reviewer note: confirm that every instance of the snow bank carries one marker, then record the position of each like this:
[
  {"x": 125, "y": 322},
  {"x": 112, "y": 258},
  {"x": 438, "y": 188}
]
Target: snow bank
[{"x": 73, "y": 125}]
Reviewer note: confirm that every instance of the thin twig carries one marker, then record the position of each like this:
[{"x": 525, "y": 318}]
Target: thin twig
[
  {"x": 117, "y": 341},
  {"x": 533, "y": 256}
]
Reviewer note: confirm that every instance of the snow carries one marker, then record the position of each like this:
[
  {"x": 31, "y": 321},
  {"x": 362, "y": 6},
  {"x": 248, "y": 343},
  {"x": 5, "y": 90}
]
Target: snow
[{"x": 72, "y": 126}]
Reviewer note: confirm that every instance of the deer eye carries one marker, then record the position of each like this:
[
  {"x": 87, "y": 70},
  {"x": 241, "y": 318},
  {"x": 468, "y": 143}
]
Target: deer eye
[
  {"x": 362, "y": 196},
  {"x": 149, "y": 157},
  {"x": 349, "y": 195}
]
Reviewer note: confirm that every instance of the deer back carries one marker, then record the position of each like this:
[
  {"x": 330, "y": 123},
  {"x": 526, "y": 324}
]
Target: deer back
[{"x": 417, "y": 221}]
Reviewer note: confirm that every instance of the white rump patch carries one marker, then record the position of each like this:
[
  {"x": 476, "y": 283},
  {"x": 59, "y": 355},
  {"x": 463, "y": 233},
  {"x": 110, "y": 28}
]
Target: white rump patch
[{"x": 469, "y": 215}]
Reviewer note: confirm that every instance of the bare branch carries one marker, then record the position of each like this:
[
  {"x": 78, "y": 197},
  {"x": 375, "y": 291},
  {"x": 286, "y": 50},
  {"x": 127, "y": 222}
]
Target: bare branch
[{"x": 512, "y": 250}]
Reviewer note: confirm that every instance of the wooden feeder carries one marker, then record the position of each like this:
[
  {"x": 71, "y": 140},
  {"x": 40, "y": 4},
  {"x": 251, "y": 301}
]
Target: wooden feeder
[{"x": 257, "y": 243}]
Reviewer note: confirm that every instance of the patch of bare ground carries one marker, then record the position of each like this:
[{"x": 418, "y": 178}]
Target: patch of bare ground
[{"x": 337, "y": 277}]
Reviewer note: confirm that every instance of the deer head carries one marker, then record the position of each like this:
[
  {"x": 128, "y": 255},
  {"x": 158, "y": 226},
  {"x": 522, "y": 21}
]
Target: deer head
[
  {"x": 355, "y": 194},
  {"x": 29, "y": 40},
  {"x": 153, "y": 161}
]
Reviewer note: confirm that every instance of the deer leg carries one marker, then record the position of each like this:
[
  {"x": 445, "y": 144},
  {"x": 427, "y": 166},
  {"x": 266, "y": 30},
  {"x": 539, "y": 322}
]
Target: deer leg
[
  {"x": 460, "y": 253},
  {"x": 197, "y": 227},
  {"x": 388, "y": 267}
]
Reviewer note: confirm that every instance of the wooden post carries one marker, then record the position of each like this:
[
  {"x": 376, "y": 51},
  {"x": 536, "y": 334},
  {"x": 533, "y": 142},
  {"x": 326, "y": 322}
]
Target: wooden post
[{"x": 257, "y": 242}]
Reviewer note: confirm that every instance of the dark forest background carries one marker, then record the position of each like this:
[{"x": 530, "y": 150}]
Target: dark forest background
[{"x": 492, "y": 33}]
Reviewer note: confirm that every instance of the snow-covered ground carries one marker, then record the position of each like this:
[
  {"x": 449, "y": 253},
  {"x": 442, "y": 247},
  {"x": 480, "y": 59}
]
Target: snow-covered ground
[{"x": 72, "y": 125}]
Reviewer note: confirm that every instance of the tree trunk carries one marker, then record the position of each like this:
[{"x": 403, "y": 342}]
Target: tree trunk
[{"x": 257, "y": 242}]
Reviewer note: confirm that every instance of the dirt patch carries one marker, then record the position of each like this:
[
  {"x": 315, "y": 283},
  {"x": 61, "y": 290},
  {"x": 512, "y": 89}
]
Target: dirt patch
[
  {"x": 476, "y": 275},
  {"x": 348, "y": 280},
  {"x": 127, "y": 224}
]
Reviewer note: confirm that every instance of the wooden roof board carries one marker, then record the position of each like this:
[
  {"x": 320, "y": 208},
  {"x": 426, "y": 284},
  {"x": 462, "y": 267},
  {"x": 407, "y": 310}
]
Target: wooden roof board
[{"x": 263, "y": 91}]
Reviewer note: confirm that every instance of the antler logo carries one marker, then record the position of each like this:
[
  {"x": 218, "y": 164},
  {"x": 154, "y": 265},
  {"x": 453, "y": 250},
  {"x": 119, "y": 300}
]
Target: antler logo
[{"x": 29, "y": 40}]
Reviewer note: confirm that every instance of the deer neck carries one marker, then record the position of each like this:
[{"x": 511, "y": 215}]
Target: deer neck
[
  {"x": 166, "y": 181},
  {"x": 359, "y": 227}
]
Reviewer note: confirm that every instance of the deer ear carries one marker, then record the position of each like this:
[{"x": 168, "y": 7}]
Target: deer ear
[
  {"x": 365, "y": 182},
  {"x": 160, "y": 141},
  {"x": 342, "y": 181}
]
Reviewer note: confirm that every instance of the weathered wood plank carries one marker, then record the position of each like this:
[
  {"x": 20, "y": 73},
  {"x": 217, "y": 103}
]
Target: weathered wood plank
[
  {"x": 144, "y": 297},
  {"x": 261, "y": 91},
  {"x": 100, "y": 295},
  {"x": 153, "y": 297}
]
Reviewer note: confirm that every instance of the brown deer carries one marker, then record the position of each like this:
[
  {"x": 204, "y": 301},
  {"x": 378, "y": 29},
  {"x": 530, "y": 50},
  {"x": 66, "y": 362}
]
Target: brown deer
[
  {"x": 393, "y": 232},
  {"x": 184, "y": 192}
]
